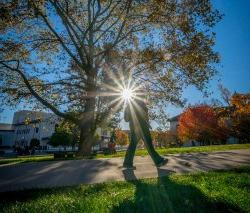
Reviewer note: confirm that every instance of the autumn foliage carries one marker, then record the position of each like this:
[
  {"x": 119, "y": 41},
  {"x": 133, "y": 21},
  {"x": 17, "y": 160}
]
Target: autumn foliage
[
  {"x": 121, "y": 137},
  {"x": 200, "y": 123},
  {"x": 240, "y": 116},
  {"x": 166, "y": 139}
]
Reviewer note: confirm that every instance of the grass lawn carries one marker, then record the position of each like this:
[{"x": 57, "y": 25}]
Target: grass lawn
[
  {"x": 163, "y": 151},
  {"x": 26, "y": 159},
  {"x": 180, "y": 150},
  {"x": 218, "y": 191}
]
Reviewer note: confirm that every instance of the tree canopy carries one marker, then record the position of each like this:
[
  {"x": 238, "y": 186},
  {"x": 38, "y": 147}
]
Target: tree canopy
[
  {"x": 73, "y": 56},
  {"x": 61, "y": 139},
  {"x": 200, "y": 123},
  {"x": 121, "y": 137}
]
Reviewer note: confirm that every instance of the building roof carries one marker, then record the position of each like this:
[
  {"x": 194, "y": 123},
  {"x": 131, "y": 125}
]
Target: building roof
[
  {"x": 6, "y": 127},
  {"x": 175, "y": 118}
]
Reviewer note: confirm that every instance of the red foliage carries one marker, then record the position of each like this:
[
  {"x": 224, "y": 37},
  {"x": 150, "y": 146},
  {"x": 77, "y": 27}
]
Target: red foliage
[{"x": 200, "y": 123}]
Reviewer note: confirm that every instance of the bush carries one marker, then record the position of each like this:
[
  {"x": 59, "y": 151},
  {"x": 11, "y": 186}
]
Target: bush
[
  {"x": 61, "y": 139},
  {"x": 34, "y": 143}
]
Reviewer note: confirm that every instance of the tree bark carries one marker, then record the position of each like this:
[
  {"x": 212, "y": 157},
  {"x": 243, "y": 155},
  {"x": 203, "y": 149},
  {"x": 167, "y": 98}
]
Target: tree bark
[
  {"x": 87, "y": 125},
  {"x": 85, "y": 144}
]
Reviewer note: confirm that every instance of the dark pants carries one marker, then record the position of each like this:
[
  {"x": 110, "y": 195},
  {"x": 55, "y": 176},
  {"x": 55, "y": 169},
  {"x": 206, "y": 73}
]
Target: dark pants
[{"x": 135, "y": 136}]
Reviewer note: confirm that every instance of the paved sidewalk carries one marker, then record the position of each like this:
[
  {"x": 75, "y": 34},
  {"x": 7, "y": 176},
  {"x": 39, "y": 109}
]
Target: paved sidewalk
[{"x": 73, "y": 172}]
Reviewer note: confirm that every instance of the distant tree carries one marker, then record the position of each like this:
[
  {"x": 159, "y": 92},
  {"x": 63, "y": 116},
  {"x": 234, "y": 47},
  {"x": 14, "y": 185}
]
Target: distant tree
[
  {"x": 241, "y": 117},
  {"x": 200, "y": 123},
  {"x": 225, "y": 94},
  {"x": 67, "y": 56},
  {"x": 167, "y": 139},
  {"x": 235, "y": 116},
  {"x": 241, "y": 103},
  {"x": 121, "y": 137}
]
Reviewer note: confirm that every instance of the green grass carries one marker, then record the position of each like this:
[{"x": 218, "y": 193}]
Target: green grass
[
  {"x": 26, "y": 159},
  {"x": 217, "y": 191},
  {"x": 180, "y": 150},
  {"x": 163, "y": 151}
]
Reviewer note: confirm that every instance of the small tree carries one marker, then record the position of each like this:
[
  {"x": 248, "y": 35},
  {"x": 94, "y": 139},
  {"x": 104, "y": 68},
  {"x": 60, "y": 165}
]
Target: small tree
[
  {"x": 121, "y": 137},
  {"x": 167, "y": 139},
  {"x": 61, "y": 139},
  {"x": 70, "y": 128}
]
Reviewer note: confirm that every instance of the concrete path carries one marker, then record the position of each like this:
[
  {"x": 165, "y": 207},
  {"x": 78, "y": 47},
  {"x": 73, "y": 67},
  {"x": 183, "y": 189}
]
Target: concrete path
[{"x": 73, "y": 172}]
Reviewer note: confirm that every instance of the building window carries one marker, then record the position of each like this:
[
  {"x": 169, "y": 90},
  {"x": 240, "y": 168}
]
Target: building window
[{"x": 37, "y": 129}]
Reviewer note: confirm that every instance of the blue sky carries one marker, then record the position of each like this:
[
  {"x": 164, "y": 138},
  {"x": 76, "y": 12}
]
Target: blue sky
[{"x": 233, "y": 44}]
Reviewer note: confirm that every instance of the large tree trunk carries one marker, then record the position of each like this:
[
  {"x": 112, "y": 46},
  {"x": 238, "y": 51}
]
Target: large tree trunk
[
  {"x": 86, "y": 141},
  {"x": 87, "y": 125}
]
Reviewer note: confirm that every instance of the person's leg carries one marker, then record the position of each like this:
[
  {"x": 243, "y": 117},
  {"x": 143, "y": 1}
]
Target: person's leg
[
  {"x": 130, "y": 153},
  {"x": 158, "y": 160}
]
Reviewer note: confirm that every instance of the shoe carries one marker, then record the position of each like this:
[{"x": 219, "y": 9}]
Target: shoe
[
  {"x": 129, "y": 167},
  {"x": 162, "y": 163}
]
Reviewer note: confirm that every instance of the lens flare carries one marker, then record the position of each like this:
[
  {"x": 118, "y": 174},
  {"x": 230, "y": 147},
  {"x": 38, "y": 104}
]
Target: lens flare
[{"x": 127, "y": 94}]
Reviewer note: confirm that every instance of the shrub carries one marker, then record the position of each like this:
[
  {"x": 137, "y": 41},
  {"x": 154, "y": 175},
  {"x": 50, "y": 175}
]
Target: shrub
[{"x": 34, "y": 143}]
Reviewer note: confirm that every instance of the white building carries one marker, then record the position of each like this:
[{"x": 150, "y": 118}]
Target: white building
[
  {"x": 6, "y": 137},
  {"x": 28, "y": 125},
  {"x": 33, "y": 124}
]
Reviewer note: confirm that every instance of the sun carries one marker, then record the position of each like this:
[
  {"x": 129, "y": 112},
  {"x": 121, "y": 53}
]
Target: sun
[{"x": 127, "y": 94}]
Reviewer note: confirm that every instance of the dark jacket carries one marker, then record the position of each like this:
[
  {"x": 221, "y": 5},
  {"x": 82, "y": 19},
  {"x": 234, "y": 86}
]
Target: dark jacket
[{"x": 136, "y": 114}]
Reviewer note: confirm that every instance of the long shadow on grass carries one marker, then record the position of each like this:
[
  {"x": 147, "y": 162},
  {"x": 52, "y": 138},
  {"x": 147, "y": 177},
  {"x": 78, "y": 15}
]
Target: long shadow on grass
[{"x": 165, "y": 195}]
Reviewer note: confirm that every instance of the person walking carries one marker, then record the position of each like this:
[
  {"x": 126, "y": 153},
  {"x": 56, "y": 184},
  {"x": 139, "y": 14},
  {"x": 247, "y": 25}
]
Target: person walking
[{"x": 136, "y": 113}]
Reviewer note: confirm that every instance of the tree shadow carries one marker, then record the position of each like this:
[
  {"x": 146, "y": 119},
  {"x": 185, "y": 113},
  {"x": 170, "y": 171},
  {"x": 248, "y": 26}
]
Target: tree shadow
[
  {"x": 10, "y": 197},
  {"x": 166, "y": 195},
  {"x": 52, "y": 174}
]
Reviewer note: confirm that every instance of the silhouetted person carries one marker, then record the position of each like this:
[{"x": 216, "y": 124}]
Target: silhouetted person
[{"x": 136, "y": 113}]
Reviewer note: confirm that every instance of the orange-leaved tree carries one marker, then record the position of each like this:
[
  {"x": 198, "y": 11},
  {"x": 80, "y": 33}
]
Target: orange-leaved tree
[
  {"x": 200, "y": 123},
  {"x": 167, "y": 139},
  {"x": 241, "y": 116},
  {"x": 121, "y": 137}
]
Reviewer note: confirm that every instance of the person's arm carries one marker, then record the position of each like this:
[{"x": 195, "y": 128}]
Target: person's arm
[
  {"x": 126, "y": 114},
  {"x": 145, "y": 114}
]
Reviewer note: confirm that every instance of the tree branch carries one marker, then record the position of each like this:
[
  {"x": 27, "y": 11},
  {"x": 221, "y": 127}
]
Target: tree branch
[{"x": 37, "y": 96}]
